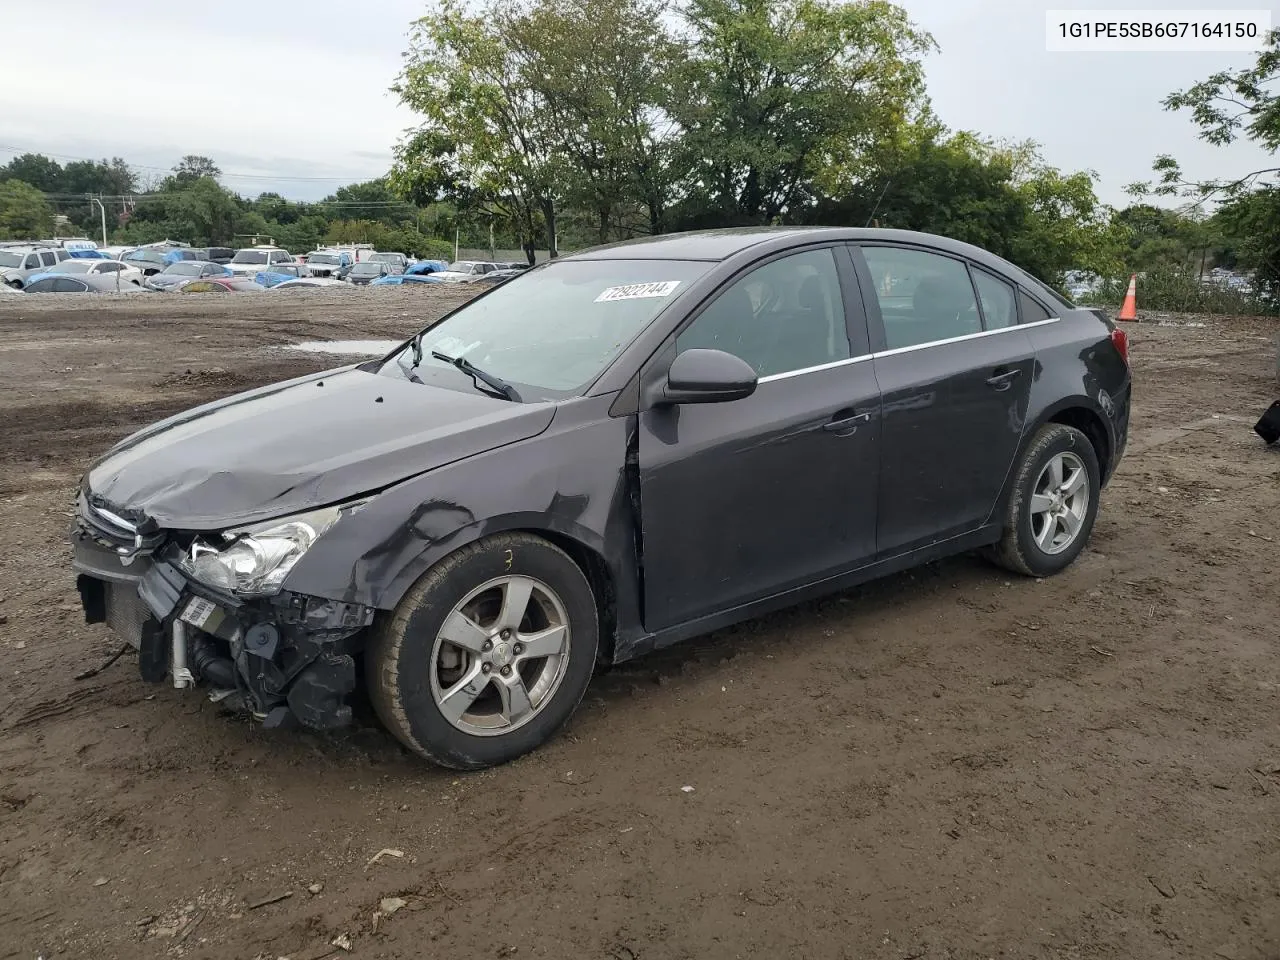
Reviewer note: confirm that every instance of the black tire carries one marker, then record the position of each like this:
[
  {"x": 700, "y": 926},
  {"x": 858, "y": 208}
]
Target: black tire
[
  {"x": 1017, "y": 550},
  {"x": 398, "y": 658}
]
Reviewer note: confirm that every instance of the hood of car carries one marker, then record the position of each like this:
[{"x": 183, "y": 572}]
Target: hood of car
[
  {"x": 452, "y": 276},
  {"x": 301, "y": 444},
  {"x": 171, "y": 279},
  {"x": 248, "y": 267}
]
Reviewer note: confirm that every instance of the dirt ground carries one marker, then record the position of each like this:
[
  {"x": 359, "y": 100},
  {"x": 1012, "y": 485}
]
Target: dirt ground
[{"x": 950, "y": 763}]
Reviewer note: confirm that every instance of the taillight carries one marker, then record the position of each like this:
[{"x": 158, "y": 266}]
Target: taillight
[{"x": 1121, "y": 340}]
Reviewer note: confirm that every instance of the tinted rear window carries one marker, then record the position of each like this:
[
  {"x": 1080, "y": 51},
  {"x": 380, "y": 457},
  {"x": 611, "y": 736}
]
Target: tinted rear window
[{"x": 1031, "y": 309}]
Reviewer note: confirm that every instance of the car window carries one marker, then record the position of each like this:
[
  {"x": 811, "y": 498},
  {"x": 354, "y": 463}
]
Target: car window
[
  {"x": 108, "y": 267},
  {"x": 49, "y": 259},
  {"x": 923, "y": 297},
  {"x": 784, "y": 316},
  {"x": 1031, "y": 309},
  {"x": 62, "y": 255},
  {"x": 33, "y": 262},
  {"x": 41, "y": 286},
  {"x": 996, "y": 296},
  {"x": 68, "y": 285}
]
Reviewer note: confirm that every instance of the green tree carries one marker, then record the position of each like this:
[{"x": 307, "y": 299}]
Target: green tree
[
  {"x": 600, "y": 68},
  {"x": 35, "y": 170},
  {"x": 191, "y": 168},
  {"x": 780, "y": 99},
  {"x": 486, "y": 124},
  {"x": 1229, "y": 106},
  {"x": 25, "y": 214}
]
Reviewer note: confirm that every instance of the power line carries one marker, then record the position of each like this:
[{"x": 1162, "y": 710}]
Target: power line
[{"x": 229, "y": 176}]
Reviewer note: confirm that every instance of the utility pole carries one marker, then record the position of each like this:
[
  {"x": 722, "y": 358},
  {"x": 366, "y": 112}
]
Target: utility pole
[
  {"x": 493, "y": 254},
  {"x": 456, "y": 233},
  {"x": 104, "y": 218}
]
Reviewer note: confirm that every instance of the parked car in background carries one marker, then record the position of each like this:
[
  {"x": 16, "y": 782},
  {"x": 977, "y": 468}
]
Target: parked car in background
[
  {"x": 176, "y": 274},
  {"x": 99, "y": 268},
  {"x": 330, "y": 263},
  {"x": 466, "y": 271},
  {"x": 397, "y": 260},
  {"x": 369, "y": 270},
  {"x": 308, "y": 282},
  {"x": 77, "y": 244},
  {"x": 223, "y": 284},
  {"x": 404, "y": 280},
  {"x": 147, "y": 259},
  {"x": 184, "y": 253},
  {"x": 422, "y": 267},
  {"x": 19, "y": 262},
  {"x": 252, "y": 260},
  {"x": 281, "y": 272},
  {"x": 218, "y": 254},
  {"x": 494, "y": 277},
  {"x": 632, "y": 446},
  {"x": 82, "y": 283},
  {"x": 117, "y": 252}
]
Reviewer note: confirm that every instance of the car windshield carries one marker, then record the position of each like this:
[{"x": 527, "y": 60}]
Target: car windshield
[
  {"x": 184, "y": 269},
  {"x": 8, "y": 259},
  {"x": 386, "y": 257},
  {"x": 250, "y": 256},
  {"x": 71, "y": 266},
  {"x": 367, "y": 267},
  {"x": 323, "y": 258},
  {"x": 553, "y": 330}
]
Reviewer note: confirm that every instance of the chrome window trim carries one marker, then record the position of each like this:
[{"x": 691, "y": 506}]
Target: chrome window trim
[
  {"x": 822, "y": 366},
  {"x": 967, "y": 336},
  {"x": 897, "y": 350}
]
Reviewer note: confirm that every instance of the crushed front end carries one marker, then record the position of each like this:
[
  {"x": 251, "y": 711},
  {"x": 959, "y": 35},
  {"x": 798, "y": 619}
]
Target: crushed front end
[{"x": 177, "y": 597}]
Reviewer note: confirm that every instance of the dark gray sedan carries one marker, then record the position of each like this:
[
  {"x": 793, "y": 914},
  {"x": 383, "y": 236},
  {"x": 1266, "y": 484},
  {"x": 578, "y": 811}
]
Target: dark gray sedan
[{"x": 607, "y": 454}]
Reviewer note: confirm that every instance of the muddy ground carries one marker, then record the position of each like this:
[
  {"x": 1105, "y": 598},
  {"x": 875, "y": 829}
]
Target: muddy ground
[{"x": 951, "y": 763}]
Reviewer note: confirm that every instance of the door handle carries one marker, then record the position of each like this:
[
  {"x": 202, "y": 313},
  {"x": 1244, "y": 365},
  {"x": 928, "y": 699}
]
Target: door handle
[
  {"x": 1003, "y": 381},
  {"x": 845, "y": 425}
]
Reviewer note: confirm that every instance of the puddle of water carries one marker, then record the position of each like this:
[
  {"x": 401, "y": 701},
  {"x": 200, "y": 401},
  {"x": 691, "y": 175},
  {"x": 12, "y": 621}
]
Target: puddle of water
[{"x": 348, "y": 348}]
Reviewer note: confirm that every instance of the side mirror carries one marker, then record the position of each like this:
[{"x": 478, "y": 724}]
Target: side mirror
[{"x": 708, "y": 376}]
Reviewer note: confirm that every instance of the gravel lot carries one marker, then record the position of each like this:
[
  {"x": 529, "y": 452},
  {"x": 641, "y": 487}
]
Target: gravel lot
[{"x": 946, "y": 764}]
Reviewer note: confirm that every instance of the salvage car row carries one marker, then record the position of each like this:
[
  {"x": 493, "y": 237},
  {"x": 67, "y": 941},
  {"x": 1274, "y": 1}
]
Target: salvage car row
[{"x": 36, "y": 269}]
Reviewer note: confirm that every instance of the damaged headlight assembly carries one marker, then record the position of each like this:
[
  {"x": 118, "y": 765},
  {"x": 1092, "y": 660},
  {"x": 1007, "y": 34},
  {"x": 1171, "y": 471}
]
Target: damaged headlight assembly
[{"x": 258, "y": 558}]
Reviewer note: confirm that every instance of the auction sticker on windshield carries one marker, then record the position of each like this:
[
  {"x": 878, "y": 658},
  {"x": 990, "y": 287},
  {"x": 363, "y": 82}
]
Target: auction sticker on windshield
[{"x": 638, "y": 291}]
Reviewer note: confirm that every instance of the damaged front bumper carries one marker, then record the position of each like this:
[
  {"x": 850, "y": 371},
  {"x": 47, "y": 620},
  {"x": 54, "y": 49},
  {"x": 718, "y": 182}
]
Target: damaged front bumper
[{"x": 282, "y": 658}]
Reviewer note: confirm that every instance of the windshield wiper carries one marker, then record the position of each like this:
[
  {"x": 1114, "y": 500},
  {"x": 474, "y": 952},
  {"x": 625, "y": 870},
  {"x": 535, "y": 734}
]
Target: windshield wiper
[{"x": 475, "y": 373}]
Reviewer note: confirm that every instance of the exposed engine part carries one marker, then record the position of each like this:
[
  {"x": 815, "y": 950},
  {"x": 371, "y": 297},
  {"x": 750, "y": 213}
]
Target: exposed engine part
[
  {"x": 182, "y": 677},
  {"x": 318, "y": 694},
  {"x": 261, "y": 640},
  {"x": 209, "y": 664}
]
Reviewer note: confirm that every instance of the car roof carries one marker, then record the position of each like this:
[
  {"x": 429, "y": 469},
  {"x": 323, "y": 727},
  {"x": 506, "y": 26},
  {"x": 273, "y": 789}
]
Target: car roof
[{"x": 721, "y": 244}]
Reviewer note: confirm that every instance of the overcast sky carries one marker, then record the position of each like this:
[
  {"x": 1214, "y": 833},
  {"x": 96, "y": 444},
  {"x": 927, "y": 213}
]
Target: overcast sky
[{"x": 153, "y": 80}]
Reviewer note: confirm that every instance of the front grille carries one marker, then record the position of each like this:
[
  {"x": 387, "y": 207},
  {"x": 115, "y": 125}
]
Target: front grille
[{"x": 126, "y": 612}]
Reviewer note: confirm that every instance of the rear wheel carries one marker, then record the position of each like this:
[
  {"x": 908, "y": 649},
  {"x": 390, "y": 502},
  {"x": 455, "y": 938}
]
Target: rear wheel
[
  {"x": 488, "y": 654},
  {"x": 1054, "y": 503}
]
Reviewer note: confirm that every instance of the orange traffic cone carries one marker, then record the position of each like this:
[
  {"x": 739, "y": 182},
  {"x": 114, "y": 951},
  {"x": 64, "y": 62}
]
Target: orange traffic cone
[{"x": 1129, "y": 309}]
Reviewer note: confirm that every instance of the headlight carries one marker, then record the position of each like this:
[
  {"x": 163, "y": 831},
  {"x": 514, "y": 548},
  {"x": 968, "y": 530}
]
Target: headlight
[{"x": 261, "y": 556}]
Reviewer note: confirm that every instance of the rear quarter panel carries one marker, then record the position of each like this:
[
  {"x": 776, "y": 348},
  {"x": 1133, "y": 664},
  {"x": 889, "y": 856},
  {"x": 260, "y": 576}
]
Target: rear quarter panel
[{"x": 1078, "y": 366}]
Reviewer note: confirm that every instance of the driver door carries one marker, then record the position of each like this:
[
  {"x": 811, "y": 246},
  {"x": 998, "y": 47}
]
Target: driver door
[{"x": 744, "y": 499}]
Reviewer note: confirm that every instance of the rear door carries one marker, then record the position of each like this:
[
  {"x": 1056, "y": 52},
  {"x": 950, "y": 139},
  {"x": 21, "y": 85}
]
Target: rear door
[
  {"x": 744, "y": 499},
  {"x": 955, "y": 373}
]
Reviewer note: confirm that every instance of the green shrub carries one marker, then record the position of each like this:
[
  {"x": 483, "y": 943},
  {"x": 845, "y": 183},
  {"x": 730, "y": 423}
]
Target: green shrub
[{"x": 1179, "y": 291}]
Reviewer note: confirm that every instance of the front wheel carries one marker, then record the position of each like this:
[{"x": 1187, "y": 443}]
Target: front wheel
[
  {"x": 1053, "y": 505},
  {"x": 488, "y": 654}
]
